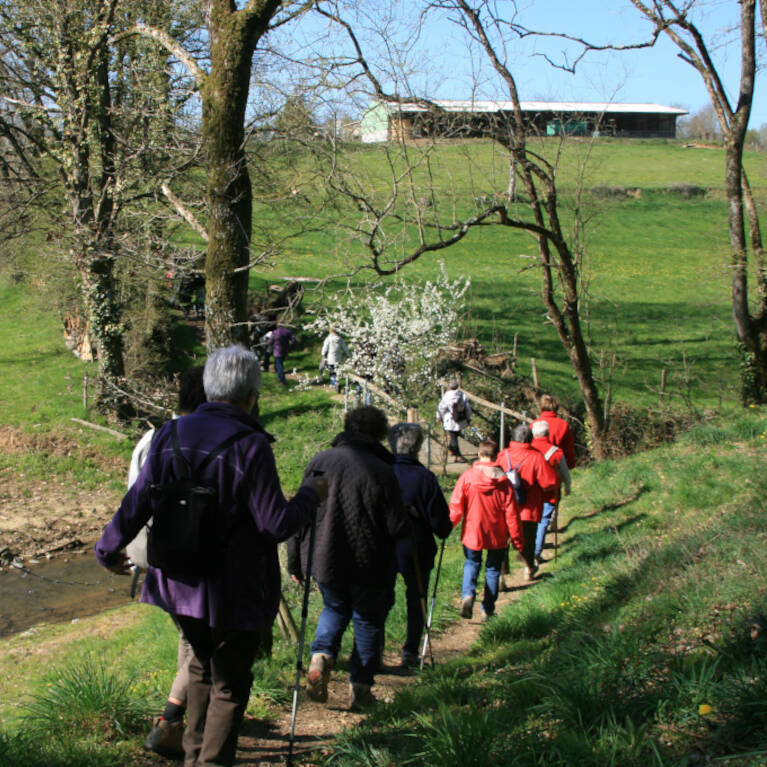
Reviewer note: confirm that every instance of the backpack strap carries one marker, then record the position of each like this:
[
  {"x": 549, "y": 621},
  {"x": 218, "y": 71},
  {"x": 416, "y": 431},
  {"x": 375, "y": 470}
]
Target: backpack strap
[
  {"x": 553, "y": 449},
  {"x": 182, "y": 464},
  {"x": 228, "y": 442},
  {"x": 183, "y": 468}
]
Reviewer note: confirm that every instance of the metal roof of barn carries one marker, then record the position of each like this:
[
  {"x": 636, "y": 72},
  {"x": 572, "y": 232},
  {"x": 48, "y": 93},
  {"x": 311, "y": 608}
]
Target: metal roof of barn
[{"x": 580, "y": 107}]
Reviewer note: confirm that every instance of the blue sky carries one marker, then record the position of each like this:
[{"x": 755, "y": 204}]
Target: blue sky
[
  {"x": 655, "y": 75},
  {"x": 441, "y": 65}
]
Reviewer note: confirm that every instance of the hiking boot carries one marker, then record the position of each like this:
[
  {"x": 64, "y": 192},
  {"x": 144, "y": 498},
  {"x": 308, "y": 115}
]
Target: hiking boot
[
  {"x": 530, "y": 573},
  {"x": 165, "y": 738},
  {"x": 317, "y": 677},
  {"x": 506, "y": 583},
  {"x": 485, "y": 617},
  {"x": 360, "y": 696},
  {"x": 410, "y": 659},
  {"x": 467, "y": 607}
]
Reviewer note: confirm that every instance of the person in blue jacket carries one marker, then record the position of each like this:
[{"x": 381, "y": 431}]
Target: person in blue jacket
[{"x": 428, "y": 511}]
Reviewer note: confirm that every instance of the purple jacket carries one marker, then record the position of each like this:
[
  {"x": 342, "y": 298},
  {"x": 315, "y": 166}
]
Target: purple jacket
[
  {"x": 282, "y": 340},
  {"x": 245, "y": 593}
]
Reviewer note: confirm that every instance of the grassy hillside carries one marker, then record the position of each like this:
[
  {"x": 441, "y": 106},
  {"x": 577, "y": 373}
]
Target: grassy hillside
[{"x": 656, "y": 266}]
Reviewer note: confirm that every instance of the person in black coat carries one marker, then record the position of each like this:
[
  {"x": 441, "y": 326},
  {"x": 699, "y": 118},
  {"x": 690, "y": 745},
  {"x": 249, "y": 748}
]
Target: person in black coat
[
  {"x": 429, "y": 515},
  {"x": 353, "y": 559}
]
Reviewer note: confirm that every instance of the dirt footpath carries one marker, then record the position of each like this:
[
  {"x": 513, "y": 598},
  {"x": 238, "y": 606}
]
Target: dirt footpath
[{"x": 317, "y": 723}]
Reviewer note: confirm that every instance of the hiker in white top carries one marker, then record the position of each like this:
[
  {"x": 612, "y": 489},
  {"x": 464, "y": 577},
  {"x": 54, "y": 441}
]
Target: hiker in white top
[
  {"x": 334, "y": 352},
  {"x": 455, "y": 413}
]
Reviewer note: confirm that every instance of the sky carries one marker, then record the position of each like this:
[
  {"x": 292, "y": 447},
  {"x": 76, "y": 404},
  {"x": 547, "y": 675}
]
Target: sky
[{"x": 446, "y": 69}]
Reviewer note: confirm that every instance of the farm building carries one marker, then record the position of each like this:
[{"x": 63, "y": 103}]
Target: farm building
[{"x": 384, "y": 121}]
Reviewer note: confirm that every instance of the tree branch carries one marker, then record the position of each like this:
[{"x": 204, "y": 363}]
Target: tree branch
[{"x": 184, "y": 212}]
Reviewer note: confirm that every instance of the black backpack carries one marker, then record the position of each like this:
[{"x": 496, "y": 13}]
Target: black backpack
[{"x": 188, "y": 534}]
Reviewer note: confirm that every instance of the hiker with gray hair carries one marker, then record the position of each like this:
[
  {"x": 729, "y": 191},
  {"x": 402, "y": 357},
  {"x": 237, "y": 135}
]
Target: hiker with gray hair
[
  {"x": 555, "y": 457},
  {"x": 537, "y": 478},
  {"x": 429, "y": 515},
  {"x": 225, "y": 596},
  {"x": 454, "y": 412}
]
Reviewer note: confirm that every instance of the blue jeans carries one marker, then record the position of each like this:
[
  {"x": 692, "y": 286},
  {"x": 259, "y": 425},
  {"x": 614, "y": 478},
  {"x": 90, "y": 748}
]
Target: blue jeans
[
  {"x": 543, "y": 526},
  {"x": 365, "y": 606},
  {"x": 471, "y": 568},
  {"x": 279, "y": 369}
]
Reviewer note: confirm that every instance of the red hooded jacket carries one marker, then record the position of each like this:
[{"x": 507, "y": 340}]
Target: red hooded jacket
[
  {"x": 538, "y": 476},
  {"x": 560, "y": 434},
  {"x": 484, "y": 499}
]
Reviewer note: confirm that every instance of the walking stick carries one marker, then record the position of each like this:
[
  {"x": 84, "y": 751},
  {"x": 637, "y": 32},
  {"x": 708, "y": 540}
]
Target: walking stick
[
  {"x": 421, "y": 594},
  {"x": 301, "y": 636},
  {"x": 427, "y": 638}
]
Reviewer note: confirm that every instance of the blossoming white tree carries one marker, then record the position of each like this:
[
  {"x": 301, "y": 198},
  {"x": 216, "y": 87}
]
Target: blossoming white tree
[{"x": 396, "y": 333}]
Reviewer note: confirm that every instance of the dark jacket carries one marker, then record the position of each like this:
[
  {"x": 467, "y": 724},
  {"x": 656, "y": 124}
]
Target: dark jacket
[
  {"x": 245, "y": 594},
  {"x": 420, "y": 492},
  {"x": 363, "y": 515}
]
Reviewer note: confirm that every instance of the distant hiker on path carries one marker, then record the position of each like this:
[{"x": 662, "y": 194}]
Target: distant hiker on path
[
  {"x": 560, "y": 433},
  {"x": 537, "y": 478},
  {"x": 281, "y": 341},
  {"x": 353, "y": 560},
  {"x": 423, "y": 499},
  {"x": 484, "y": 499},
  {"x": 226, "y": 612},
  {"x": 334, "y": 352},
  {"x": 554, "y": 456},
  {"x": 455, "y": 413}
]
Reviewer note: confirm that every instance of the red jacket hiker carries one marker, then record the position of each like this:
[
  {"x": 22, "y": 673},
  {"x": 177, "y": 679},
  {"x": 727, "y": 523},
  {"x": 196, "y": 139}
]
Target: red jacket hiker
[
  {"x": 556, "y": 459},
  {"x": 537, "y": 475},
  {"x": 484, "y": 498},
  {"x": 560, "y": 434}
]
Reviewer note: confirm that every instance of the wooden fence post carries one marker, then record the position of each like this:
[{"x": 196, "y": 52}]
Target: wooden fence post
[
  {"x": 535, "y": 373},
  {"x": 85, "y": 392}
]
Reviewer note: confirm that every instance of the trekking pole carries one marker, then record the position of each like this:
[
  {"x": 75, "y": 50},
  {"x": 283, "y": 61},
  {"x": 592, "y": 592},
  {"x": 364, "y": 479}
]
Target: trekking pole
[
  {"x": 427, "y": 637},
  {"x": 556, "y": 532},
  {"x": 301, "y": 636},
  {"x": 421, "y": 594}
]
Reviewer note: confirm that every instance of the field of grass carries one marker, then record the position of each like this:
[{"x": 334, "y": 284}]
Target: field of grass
[{"x": 656, "y": 267}]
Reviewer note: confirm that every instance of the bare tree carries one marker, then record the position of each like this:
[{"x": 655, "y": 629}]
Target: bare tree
[
  {"x": 676, "y": 21},
  {"x": 90, "y": 113},
  {"x": 534, "y": 211}
]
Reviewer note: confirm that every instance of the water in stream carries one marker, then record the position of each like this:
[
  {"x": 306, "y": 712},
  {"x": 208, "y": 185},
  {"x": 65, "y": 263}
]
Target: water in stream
[{"x": 60, "y": 590}]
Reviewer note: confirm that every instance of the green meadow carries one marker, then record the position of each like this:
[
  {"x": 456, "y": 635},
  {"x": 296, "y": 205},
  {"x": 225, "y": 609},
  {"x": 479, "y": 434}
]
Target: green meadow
[{"x": 655, "y": 267}]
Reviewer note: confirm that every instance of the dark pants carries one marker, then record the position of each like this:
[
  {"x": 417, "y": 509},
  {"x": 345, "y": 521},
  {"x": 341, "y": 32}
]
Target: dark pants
[
  {"x": 416, "y": 587},
  {"x": 279, "y": 369},
  {"x": 220, "y": 678},
  {"x": 529, "y": 531},
  {"x": 453, "y": 446},
  {"x": 365, "y": 606}
]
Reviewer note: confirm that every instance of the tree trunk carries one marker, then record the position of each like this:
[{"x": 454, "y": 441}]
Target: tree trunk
[{"x": 233, "y": 37}]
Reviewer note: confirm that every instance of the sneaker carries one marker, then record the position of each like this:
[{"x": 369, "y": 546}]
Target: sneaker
[
  {"x": 506, "y": 583},
  {"x": 486, "y": 617},
  {"x": 318, "y": 676},
  {"x": 530, "y": 573},
  {"x": 165, "y": 738},
  {"x": 467, "y": 607},
  {"x": 360, "y": 696},
  {"x": 410, "y": 659}
]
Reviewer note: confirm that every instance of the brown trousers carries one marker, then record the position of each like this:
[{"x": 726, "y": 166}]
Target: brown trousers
[{"x": 220, "y": 679}]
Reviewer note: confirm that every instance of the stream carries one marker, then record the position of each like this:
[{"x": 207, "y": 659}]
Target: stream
[{"x": 56, "y": 591}]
